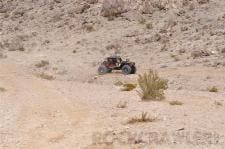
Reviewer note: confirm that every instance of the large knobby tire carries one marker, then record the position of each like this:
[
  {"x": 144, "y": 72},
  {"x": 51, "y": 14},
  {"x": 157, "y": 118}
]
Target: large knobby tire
[
  {"x": 133, "y": 70},
  {"x": 103, "y": 70},
  {"x": 126, "y": 69}
]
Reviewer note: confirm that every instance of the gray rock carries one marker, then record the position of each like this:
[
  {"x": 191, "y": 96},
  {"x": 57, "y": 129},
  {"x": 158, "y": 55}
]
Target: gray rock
[
  {"x": 2, "y": 56},
  {"x": 81, "y": 8},
  {"x": 113, "y": 8},
  {"x": 133, "y": 16},
  {"x": 147, "y": 8},
  {"x": 91, "y": 1},
  {"x": 203, "y": 1},
  {"x": 200, "y": 53}
]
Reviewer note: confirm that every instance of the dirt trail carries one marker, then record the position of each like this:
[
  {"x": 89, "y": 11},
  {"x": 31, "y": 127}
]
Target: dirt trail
[{"x": 35, "y": 113}]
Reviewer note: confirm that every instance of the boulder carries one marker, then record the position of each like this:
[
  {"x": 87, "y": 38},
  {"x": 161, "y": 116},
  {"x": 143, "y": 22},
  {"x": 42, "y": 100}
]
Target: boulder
[
  {"x": 113, "y": 8},
  {"x": 200, "y": 53},
  {"x": 146, "y": 8}
]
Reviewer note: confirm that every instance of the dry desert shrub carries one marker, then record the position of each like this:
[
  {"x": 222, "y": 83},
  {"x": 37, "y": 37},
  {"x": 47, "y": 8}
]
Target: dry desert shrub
[
  {"x": 2, "y": 56},
  {"x": 42, "y": 63},
  {"x": 176, "y": 103},
  {"x": 125, "y": 86},
  {"x": 149, "y": 25},
  {"x": 128, "y": 87},
  {"x": 89, "y": 27},
  {"x": 175, "y": 57},
  {"x": 213, "y": 89},
  {"x": 152, "y": 86},
  {"x": 2, "y": 89},
  {"x": 112, "y": 8},
  {"x": 143, "y": 118},
  {"x": 118, "y": 83},
  {"x": 45, "y": 76},
  {"x": 142, "y": 21},
  {"x": 218, "y": 103}
]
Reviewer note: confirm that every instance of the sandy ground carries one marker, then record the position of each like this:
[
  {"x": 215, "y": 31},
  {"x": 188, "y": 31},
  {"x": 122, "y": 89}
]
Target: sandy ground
[
  {"x": 76, "y": 108},
  {"x": 59, "y": 114}
]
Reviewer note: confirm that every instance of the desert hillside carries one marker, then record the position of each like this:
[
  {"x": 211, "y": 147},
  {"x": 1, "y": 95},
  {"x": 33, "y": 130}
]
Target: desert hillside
[{"x": 51, "y": 95}]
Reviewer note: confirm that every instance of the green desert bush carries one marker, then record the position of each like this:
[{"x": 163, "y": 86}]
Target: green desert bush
[{"x": 152, "y": 86}]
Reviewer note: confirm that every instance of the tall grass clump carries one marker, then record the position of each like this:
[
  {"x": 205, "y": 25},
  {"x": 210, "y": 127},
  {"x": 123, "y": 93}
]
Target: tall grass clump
[
  {"x": 213, "y": 89},
  {"x": 152, "y": 86},
  {"x": 143, "y": 118}
]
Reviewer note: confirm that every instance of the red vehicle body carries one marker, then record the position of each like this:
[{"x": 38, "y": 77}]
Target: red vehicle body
[{"x": 116, "y": 63}]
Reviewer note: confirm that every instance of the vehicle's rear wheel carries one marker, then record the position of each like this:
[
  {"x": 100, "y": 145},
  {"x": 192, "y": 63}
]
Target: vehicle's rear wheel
[
  {"x": 133, "y": 70},
  {"x": 102, "y": 70},
  {"x": 126, "y": 69}
]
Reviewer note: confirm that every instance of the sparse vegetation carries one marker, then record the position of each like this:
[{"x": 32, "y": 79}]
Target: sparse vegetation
[
  {"x": 89, "y": 27},
  {"x": 2, "y": 89},
  {"x": 163, "y": 48},
  {"x": 128, "y": 87},
  {"x": 142, "y": 21},
  {"x": 218, "y": 103},
  {"x": 112, "y": 8},
  {"x": 45, "y": 76},
  {"x": 2, "y": 56},
  {"x": 125, "y": 86},
  {"x": 213, "y": 89},
  {"x": 149, "y": 26},
  {"x": 143, "y": 118},
  {"x": 175, "y": 103},
  {"x": 118, "y": 83},
  {"x": 42, "y": 63},
  {"x": 175, "y": 57},
  {"x": 152, "y": 86},
  {"x": 52, "y": 96},
  {"x": 122, "y": 104},
  {"x": 21, "y": 48},
  {"x": 157, "y": 37}
]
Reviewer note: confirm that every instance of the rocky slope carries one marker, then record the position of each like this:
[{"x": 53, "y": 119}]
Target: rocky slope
[{"x": 64, "y": 41}]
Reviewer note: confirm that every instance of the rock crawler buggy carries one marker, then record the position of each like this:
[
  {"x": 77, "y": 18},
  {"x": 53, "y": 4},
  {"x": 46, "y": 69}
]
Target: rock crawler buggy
[{"x": 116, "y": 63}]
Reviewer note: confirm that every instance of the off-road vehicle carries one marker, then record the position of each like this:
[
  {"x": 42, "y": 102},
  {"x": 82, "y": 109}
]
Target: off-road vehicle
[{"x": 116, "y": 63}]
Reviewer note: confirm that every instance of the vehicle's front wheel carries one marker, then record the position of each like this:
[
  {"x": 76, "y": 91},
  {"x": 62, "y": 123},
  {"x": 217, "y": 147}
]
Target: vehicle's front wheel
[
  {"x": 102, "y": 70},
  {"x": 126, "y": 69}
]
